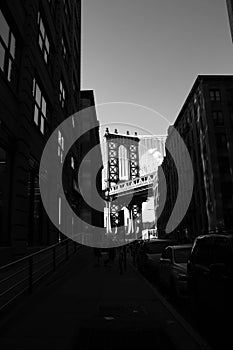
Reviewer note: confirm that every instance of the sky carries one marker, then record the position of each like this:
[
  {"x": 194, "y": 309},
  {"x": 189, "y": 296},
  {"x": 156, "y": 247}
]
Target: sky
[{"x": 148, "y": 54}]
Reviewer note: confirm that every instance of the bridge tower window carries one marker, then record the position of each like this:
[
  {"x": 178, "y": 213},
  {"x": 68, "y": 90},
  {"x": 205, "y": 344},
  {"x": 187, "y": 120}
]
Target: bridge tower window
[{"x": 123, "y": 163}]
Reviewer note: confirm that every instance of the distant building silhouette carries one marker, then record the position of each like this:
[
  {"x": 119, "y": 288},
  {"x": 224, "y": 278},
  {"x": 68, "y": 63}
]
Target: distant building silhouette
[{"x": 151, "y": 152}]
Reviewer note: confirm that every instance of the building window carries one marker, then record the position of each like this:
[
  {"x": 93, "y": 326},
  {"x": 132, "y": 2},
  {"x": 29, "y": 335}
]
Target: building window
[
  {"x": 62, "y": 94},
  {"x": 7, "y": 48},
  {"x": 60, "y": 146},
  {"x": 73, "y": 123},
  {"x": 40, "y": 108},
  {"x": 221, "y": 141},
  {"x": 215, "y": 95},
  {"x": 72, "y": 163},
  {"x": 218, "y": 118},
  {"x": 64, "y": 49},
  {"x": 43, "y": 38}
]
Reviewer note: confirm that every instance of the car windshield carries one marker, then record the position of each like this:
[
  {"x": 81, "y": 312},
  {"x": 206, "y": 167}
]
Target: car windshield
[
  {"x": 156, "y": 247},
  {"x": 181, "y": 255}
]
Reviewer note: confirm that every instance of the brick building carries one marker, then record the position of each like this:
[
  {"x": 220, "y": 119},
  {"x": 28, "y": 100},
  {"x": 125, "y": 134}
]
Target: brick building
[
  {"x": 91, "y": 180},
  {"x": 230, "y": 15},
  {"x": 39, "y": 88},
  {"x": 206, "y": 125}
]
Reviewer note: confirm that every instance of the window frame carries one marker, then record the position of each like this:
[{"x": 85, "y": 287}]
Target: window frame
[
  {"x": 61, "y": 146},
  {"x": 65, "y": 49},
  {"x": 218, "y": 118},
  {"x": 215, "y": 95},
  {"x": 221, "y": 141},
  {"x": 39, "y": 105},
  {"x": 62, "y": 94},
  {"x": 43, "y": 38},
  {"x": 9, "y": 65}
]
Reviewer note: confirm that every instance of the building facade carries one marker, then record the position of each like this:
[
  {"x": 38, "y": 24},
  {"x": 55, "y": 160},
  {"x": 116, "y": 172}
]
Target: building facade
[
  {"x": 40, "y": 84},
  {"x": 205, "y": 123},
  {"x": 151, "y": 152},
  {"x": 91, "y": 175},
  {"x": 39, "y": 88},
  {"x": 230, "y": 15}
]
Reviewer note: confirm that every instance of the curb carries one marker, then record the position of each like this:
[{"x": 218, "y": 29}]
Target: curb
[{"x": 203, "y": 345}]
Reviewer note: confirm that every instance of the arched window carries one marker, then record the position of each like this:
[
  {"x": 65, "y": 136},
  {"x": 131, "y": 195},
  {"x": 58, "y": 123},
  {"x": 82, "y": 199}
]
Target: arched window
[{"x": 123, "y": 163}]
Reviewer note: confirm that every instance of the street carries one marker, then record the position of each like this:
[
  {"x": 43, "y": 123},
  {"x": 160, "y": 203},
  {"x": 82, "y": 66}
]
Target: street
[
  {"x": 116, "y": 174},
  {"x": 215, "y": 331}
]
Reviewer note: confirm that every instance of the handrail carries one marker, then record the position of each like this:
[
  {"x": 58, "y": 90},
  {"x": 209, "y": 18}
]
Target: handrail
[
  {"x": 33, "y": 254},
  {"x": 12, "y": 287},
  {"x": 31, "y": 268},
  {"x": 13, "y": 298},
  {"x": 13, "y": 274}
]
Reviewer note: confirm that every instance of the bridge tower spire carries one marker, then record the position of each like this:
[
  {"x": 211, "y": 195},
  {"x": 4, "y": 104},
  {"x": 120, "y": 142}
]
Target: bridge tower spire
[{"x": 122, "y": 157}]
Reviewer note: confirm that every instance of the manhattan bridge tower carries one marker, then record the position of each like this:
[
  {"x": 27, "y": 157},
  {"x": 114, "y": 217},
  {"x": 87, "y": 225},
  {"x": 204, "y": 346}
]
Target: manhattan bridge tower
[{"x": 122, "y": 158}]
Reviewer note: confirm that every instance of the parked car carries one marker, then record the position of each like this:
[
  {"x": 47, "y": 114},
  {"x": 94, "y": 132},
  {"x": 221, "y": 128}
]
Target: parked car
[
  {"x": 173, "y": 268},
  {"x": 149, "y": 254},
  {"x": 210, "y": 272}
]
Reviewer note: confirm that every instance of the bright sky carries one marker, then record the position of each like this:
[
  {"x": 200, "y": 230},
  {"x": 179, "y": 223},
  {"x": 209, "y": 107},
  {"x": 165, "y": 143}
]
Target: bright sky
[{"x": 149, "y": 53}]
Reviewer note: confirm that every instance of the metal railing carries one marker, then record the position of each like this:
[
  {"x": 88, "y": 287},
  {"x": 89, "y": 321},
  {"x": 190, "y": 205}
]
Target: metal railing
[{"x": 22, "y": 275}]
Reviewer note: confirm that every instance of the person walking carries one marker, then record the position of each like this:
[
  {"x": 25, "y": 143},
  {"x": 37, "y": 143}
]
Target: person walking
[{"x": 111, "y": 257}]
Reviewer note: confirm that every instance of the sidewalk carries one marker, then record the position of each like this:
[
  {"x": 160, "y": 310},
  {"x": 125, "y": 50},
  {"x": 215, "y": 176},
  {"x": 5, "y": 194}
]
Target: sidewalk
[{"x": 89, "y": 307}]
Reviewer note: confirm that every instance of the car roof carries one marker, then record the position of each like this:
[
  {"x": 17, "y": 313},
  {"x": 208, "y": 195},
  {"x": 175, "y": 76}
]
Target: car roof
[
  {"x": 180, "y": 246},
  {"x": 216, "y": 235},
  {"x": 161, "y": 240}
]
